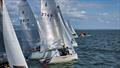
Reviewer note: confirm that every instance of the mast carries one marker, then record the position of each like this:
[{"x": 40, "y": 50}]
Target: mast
[
  {"x": 1, "y": 9},
  {"x": 1, "y": 4},
  {"x": 14, "y": 53},
  {"x": 65, "y": 24}
]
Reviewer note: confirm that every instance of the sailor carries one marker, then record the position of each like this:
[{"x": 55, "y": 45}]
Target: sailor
[
  {"x": 67, "y": 51},
  {"x": 38, "y": 48},
  {"x": 64, "y": 51},
  {"x": 35, "y": 49}
]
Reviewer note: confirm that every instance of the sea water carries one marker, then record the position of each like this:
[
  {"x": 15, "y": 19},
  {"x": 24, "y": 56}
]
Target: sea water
[{"x": 98, "y": 49}]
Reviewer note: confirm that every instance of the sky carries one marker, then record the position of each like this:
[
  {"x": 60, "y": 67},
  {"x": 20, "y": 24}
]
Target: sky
[{"x": 82, "y": 14}]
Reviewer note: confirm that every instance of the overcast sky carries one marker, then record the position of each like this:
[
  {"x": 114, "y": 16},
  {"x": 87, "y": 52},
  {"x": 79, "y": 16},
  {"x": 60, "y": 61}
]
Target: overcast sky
[{"x": 83, "y": 14}]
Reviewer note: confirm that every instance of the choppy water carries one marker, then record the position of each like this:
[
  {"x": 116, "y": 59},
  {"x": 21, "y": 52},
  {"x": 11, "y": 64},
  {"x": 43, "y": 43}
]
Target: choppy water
[{"x": 101, "y": 49}]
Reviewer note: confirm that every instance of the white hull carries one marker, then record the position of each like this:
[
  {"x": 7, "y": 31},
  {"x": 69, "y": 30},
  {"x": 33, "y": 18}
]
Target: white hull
[
  {"x": 36, "y": 55},
  {"x": 75, "y": 44},
  {"x": 61, "y": 59},
  {"x": 55, "y": 59}
]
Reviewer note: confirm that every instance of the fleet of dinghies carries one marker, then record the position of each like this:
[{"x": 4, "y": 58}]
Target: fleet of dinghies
[{"x": 54, "y": 39}]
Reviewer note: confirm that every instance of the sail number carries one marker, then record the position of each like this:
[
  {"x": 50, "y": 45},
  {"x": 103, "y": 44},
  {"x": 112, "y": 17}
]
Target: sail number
[{"x": 46, "y": 14}]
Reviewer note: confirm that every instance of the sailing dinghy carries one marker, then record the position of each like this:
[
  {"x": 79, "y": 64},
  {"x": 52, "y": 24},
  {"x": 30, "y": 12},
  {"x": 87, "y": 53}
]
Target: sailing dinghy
[{"x": 56, "y": 46}]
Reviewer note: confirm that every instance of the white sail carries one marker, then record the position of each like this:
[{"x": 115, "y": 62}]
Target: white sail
[
  {"x": 73, "y": 41},
  {"x": 66, "y": 35},
  {"x": 29, "y": 25},
  {"x": 72, "y": 30},
  {"x": 12, "y": 46},
  {"x": 50, "y": 29},
  {"x": 67, "y": 28}
]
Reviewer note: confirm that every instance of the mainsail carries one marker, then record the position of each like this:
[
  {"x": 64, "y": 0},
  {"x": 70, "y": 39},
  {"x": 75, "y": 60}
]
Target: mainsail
[
  {"x": 12, "y": 46},
  {"x": 50, "y": 26},
  {"x": 29, "y": 26}
]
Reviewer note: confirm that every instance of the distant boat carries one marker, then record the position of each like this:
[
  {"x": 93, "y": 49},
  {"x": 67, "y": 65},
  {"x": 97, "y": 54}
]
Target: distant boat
[
  {"x": 83, "y": 34},
  {"x": 13, "y": 50},
  {"x": 56, "y": 46}
]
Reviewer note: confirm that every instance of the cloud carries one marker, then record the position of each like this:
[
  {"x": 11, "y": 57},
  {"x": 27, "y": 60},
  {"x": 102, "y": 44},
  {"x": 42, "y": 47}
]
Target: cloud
[
  {"x": 83, "y": 12},
  {"x": 12, "y": 6},
  {"x": 77, "y": 9},
  {"x": 89, "y": 12},
  {"x": 70, "y": 9},
  {"x": 90, "y": 5},
  {"x": 104, "y": 14}
]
